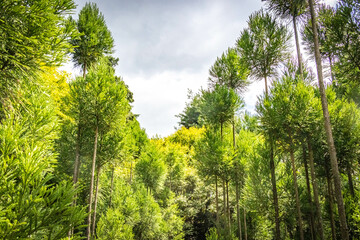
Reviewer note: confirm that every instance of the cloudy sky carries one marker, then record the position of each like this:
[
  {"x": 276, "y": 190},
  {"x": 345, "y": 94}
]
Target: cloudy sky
[{"x": 166, "y": 47}]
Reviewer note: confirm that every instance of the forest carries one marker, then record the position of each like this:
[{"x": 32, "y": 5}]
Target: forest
[{"x": 76, "y": 164}]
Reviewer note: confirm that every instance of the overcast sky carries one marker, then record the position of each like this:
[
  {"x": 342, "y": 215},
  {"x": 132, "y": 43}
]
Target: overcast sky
[{"x": 167, "y": 46}]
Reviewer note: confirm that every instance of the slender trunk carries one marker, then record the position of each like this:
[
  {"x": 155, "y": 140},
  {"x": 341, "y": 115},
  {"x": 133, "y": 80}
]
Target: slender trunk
[
  {"x": 217, "y": 201},
  {"x": 228, "y": 207},
  {"x": 111, "y": 186},
  {"x": 331, "y": 213},
  {"x": 316, "y": 191},
  {"x": 84, "y": 70},
  {"x": 245, "y": 227},
  {"x": 76, "y": 169},
  {"x": 312, "y": 222},
  {"x": 273, "y": 180},
  {"x": 331, "y": 69},
  {"x": 299, "y": 220},
  {"x": 274, "y": 190},
  {"x": 266, "y": 87},
  {"x": 88, "y": 230},
  {"x": 327, "y": 124},
  {"x": 238, "y": 210},
  {"x": 350, "y": 180},
  {"x": 233, "y": 131},
  {"x": 95, "y": 200},
  {"x": 77, "y": 155},
  {"x": 224, "y": 197},
  {"x": 297, "y": 47}
]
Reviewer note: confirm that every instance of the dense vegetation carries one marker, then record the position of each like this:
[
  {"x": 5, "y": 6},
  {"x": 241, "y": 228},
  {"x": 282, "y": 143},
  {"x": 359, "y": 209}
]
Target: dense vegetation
[{"x": 76, "y": 164}]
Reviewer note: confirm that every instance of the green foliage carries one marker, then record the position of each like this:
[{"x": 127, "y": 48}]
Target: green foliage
[
  {"x": 219, "y": 106},
  {"x": 263, "y": 45},
  {"x": 34, "y": 204},
  {"x": 190, "y": 117},
  {"x": 112, "y": 226},
  {"x": 230, "y": 70},
  {"x": 33, "y": 33},
  {"x": 95, "y": 39},
  {"x": 286, "y": 8},
  {"x": 150, "y": 169}
]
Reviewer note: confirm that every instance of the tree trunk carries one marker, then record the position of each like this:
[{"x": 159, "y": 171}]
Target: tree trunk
[
  {"x": 238, "y": 210},
  {"x": 297, "y": 47},
  {"x": 316, "y": 191},
  {"x": 245, "y": 228},
  {"x": 312, "y": 222},
  {"x": 291, "y": 150},
  {"x": 76, "y": 168},
  {"x": 84, "y": 70},
  {"x": 273, "y": 179},
  {"x": 95, "y": 200},
  {"x": 274, "y": 190},
  {"x": 350, "y": 180},
  {"x": 266, "y": 87},
  {"x": 217, "y": 201},
  {"x": 331, "y": 69},
  {"x": 77, "y": 156},
  {"x": 228, "y": 207},
  {"x": 331, "y": 213},
  {"x": 233, "y": 131},
  {"x": 88, "y": 230},
  {"x": 327, "y": 124},
  {"x": 224, "y": 197},
  {"x": 111, "y": 186}
]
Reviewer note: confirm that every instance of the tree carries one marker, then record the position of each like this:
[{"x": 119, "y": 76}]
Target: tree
[
  {"x": 191, "y": 116},
  {"x": 95, "y": 39},
  {"x": 150, "y": 169},
  {"x": 329, "y": 136},
  {"x": 263, "y": 45},
  {"x": 33, "y": 33},
  {"x": 34, "y": 203},
  {"x": 106, "y": 100},
  {"x": 230, "y": 71},
  {"x": 290, "y": 9}
]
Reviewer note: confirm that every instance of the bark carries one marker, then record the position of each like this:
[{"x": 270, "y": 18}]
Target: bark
[
  {"x": 331, "y": 69},
  {"x": 84, "y": 70},
  {"x": 331, "y": 213},
  {"x": 330, "y": 141},
  {"x": 217, "y": 201},
  {"x": 350, "y": 180},
  {"x": 95, "y": 201},
  {"x": 77, "y": 156},
  {"x": 273, "y": 180},
  {"x": 312, "y": 222},
  {"x": 266, "y": 87},
  {"x": 76, "y": 169},
  {"x": 238, "y": 210},
  {"x": 88, "y": 230},
  {"x": 224, "y": 197},
  {"x": 274, "y": 190},
  {"x": 299, "y": 220},
  {"x": 316, "y": 192},
  {"x": 228, "y": 207},
  {"x": 245, "y": 228},
  {"x": 297, "y": 46},
  {"x": 233, "y": 131}
]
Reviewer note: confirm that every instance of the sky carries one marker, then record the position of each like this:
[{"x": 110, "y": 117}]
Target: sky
[{"x": 166, "y": 47}]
